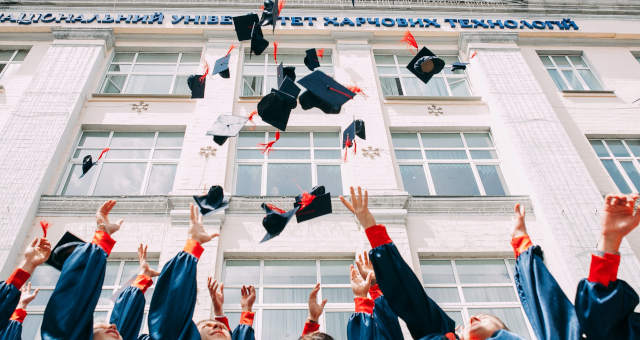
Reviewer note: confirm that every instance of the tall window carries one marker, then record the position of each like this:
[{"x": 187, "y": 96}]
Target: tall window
[
  {"x": 570, "y": 72},
  {"x": 397, "y": 80},
  {"x": 117, "y": 276},
  {"x": 638, "y": 58},
  {"x": 138, "y": 163},
  {"x": 621, "y": 158},
  {"x": 150, "y": 73},
  {"x": 10, "y": 60},
  {"x": 298, "y": 161},
  {"x": 283, "y": 288},
  {"x": 458, "y": 164},
  {"x": 467, "y": 287},
  {"x": 258, "y": 68}
]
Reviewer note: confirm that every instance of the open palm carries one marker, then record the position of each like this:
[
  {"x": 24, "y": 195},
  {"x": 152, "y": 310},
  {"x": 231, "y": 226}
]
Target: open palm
[
  {"x": 620, "y": 216},
  {"x": 102, "y": 218},
  {"x": 197, "y": 231}
]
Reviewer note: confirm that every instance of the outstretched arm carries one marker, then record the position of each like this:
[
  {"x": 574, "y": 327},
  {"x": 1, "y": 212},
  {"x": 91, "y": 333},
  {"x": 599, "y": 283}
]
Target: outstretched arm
[
  {"x": 397, "y": 281},
  {"x": 315, "y": 311},
  {"x": 244, "y": 331},
  {"x": 13, "y": 331},
  {"x": 361, "y": 325}
]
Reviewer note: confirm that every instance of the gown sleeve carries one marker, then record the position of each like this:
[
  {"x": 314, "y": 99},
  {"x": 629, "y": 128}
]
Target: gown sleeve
[
  {"x": 10, "y": 294},
  {"x": 550, "y": 312},
  {"x": 361, "y": 325},
  {"x": 128, "y": 311},
  {"x": 386, "y": 320},
  {"x": 174, "y": 297},
  {"x": 69, "y": 312},
  {"x": 402, "y": 289},
  {"x": 244, "y": 331},
  {"x": 13, "y": 330}
]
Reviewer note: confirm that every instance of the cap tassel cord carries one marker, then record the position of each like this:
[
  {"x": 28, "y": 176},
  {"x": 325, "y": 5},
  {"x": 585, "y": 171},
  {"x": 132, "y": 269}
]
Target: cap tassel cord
[
  {"x": 306, "y": 199},
  {"x": 45, "y": 225},
  {"x": 410, "y": 40},
  {"x": 274, "y": 208},
  {"x": 355, "y": 89},
  {"x": 102, "y": 153},
  {"x": 206, "y": 72},
  {"x": 266, "y": 147},
  {"x": 230, "y": 49},
  {"x": 342, "y": 93},
  {"x": 275, "y": 51},
  {"x": 281, "y": 6},
  {"x": 347, "y": 145}
]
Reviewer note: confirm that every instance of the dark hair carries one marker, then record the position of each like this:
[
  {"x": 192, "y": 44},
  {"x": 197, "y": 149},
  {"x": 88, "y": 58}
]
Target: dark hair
[{"x": 316, "y": 336}]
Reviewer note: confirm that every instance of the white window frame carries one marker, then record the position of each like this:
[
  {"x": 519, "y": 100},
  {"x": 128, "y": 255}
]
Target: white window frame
[
  {"x": 266, "y": 161},
  {"x": 424, "y": 162},
  {"x": 150, "y": 161},
  {"x": 635, "y": 160},
  {"x": 259, "y": 306},
  {"x": 572, "y": 67},
  {"x": 400, "y": 74},
  {"x": 175, "y": 73},
  {"x": 12, "y": 60}
]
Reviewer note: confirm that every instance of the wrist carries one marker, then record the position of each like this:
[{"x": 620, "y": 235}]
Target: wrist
[
  {"x": 360, "y": 295},
  {"x": 247, "y": 308},
  {"x": 218, "y": 311},
  {"x": 28, "y": 266},
  {"x": 609, "y": 244},
  {"x": 22, "y": 306},
  {"x": 312, "y": 319}
]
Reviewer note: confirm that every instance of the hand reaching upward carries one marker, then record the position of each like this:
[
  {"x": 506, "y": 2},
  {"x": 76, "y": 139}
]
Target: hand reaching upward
[
  {"x": 519, "y": 228},
  {"x": 27, "y": 296},
  {"x": 359, "y": 285},
  {"x": 102, "y": 218},
  {"x": 197, "y": 231},
  {"x": 248, "y": 298},
  {"x": 365, "y": 267},
  {"x": 315, "y": 308},
  {"x": 217, "y": 296},
  {"x": 359, "y": 206},
  {"x": 36, "y": 254},
  {"x": 145, "y": 269},
  {"x": 619, "y": 219}
]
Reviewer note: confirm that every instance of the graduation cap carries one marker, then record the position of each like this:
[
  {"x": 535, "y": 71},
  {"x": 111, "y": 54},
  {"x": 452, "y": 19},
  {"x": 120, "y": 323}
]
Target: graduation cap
[
  {"x": 458, "y": 66},
  {"x": 196, "y": 85},
  {"x": 356, "y": 128},
  {"x": 88, "y": 163},
  {"x": 275, "y": 109},
  {"x": 314, "y": 204},
  {"x": 270, "y": 13},
  {"x": 275, "y": 220},
  {"x": 63, "y": 250},
  {"x": 244, "y": 25},
  {"x": 212, "y": 201},
  {"x": 324, "y": 93},
  {"x": 258, "y": 42},
  {"x": 226, "y": 126},
  {"x": 425, "y": 65},
  {"x": 222, "y": 67},
  {"x": 289, "y": 71},
  {"x": 311, "y": 59}
]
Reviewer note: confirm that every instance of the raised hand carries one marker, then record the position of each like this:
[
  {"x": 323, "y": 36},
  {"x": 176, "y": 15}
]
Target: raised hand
[
  {"x": 217, "y": 296},
  {"x": 145, "y": 269},
  {"x": 315, "y": 308},
  {"x": 197, "y": 231},
  {"x": 248, "y": 298},
  {"x": 359, "y": 206},
  {"x": 36, "y": 254},
  {"x": 27, "y": 296},
  {"x": 619, "y": 219},
  {"x": 102, "y": 218},
  {"x": 519, "y": 227},
  {"x": 359, "y": 285},
  {"x": 365, "y": 267}
]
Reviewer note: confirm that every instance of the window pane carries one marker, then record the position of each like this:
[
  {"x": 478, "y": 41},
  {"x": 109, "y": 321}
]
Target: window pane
[
  {"x": 180, "y": 85},
  {"x": 114, "y": 84},
  {"x": 326, "y": 139},
  {"x": 291, "y": 139},
  {"x": 459, "y": 87},
  {"x": 252, "y": 85},
  {"x": 130, "y": 271},
  {"x": 232, "y": 296},
  {"x": 577, "y": 61},
  {"x": 483, "y": 154},
  {"x": 561, "y": 61},
  {"x": 405, "y": 140},
  {"x": 436, "y": 87},
  {"x": 337, "y": 295},
  {"x": 597, "y": 145},
  {"x": 482, "y": 271},
  {"x": 149, "y": 84},
  {"x": 634, "y": 145},
  {"x": 127, "y": 154},
  {"x": 132, "y": 139},
  {"x": 437, "y": 271},
  {"x": 590, "y": 80},
  {"x": 414, "y": 180},
  {"x": 100, "y": 316},
  {"x": 336, "y": 271},
  {"x": 161, "y": 179},
  {"x": 391, "y": 86},
  {"x": 555, "y": 75},
  {"x": 289, "y": 154},
  {"x": 45, "y": 276},
  {"x": 326, "y": 154},
  {"x": 453, "y": 179},
  {"x": 545, "y": 60},
  {"x": 157, "y": 58},
  {"x": 166, "y": 154},
  {"x": 286, "y": 179},
  {"x": 617, "y": 148},
  {"x": 383, "y": 70},
  {"x": 120, "y": 179},
  {"x": 478, "y": 140},
  {"x": 384, "y": 59},
  {"x": 446, "y": 154},
  {"x": 78, "y": 186},
  {"x": 632, "y": 172},
  {"x": 154, "y": 68},
  {"x": 42, "y": 298},
  {"x": 331, "y": 177},
  {"x": 31, "y": 326},
  {"x": 250, "y": 154},
  {"x": 93, "y": 139},
  {"x": 573, "y": 81},
  {"x": 492, "y": 180},
  {"x": 337, "y": 324},
  {"x": 286, "y": 295},
  {"x": 408, "y": 154},
  {"x": 241, "y": 272},
  {"x": 616, "y": 176},
  {"x": 111, "y": 273},
  {"x": 248, "y": 180},
  {"x": 170, "y": 139},
  {"x": 456, "y": 317},
  {"x": 190, "y": 58},
  {"x": 441, "y": 140},
  {"x": 282, "y": 324},
  {"x": 290, "y": 272},
  {"x": 489, "y": 294},
  {"x": 512, "y": 318},
  {"x": 6, "y": 55},
  {"x": 123, "y": 57},
  {"x": 120, "y": 68},
  {"x": 443, "y": 295}
]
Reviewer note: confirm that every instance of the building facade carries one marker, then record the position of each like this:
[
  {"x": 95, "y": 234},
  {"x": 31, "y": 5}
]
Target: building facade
[{"x": 546, "y": 114}]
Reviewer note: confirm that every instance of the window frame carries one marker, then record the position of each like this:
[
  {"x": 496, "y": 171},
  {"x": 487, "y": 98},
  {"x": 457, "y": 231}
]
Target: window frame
[
  {"x": 573, "y": 68},
  {"x": 12, "y": 60},
  {"x": 634, "y": 159}
]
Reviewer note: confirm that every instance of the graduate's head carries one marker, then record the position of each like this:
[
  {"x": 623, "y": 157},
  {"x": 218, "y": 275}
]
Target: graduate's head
[
  {"x": 105, "y": 331},
  {"x": 213, "y": 330},
  {"x": 483, "y": 326},
  {"x": 316, "y": 336}
]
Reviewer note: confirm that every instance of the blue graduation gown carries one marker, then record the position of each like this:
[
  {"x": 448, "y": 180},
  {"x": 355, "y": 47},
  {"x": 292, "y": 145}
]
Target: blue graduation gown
[
  {"x": 128, "y": 313},
  {"x": 9, "y": 298},
  {"x": 382, "y": 324},
  {"x": 13, "y": 331}
]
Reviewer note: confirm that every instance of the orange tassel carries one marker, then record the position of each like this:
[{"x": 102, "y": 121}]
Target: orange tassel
[
  {"x": 45, "y": 225},
  {"x": 355, "y": 89},
  {"x": 275, "y": 51},
  {"x": 230, "y": 49},
  {"x": 266, "y": 147},
  {"x": 410, "y": 39},
  {"x": 320, "y": 53},
  {"x": 306, "y": 199},
  {"x": 280, "y": 6},
  {"x": 274, "y": 208},
  {"x": 206, "y": 72},
  {"x": 474, "y": 54},
  {"x": 252, "y": 114},
  {"x": 102, "y": 153}
]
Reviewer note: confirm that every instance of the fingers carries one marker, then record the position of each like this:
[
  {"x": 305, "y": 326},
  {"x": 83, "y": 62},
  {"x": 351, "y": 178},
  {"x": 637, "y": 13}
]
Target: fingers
[
  {"x": 360, "y": 197},
  {"x": 516, "y": 208},
  {"x": 244, "y": 291},
  {"x": 106, "y": 207},
  {"x": 209, "y": 283},
  {"x": 215, "y": 235},
  {"x": 354, "y": 200},
  {"x": 120, "y": 221},
  {"x": 369, "y": 278},
  {"x": 347, "y": 204},
  {"x": 367, "y": 262},
  {"x": 366, "y": 199},
  {"x": 314, "y": 293},
  {"x": 354, "y": 275},
  {"x": 252, "y": 290},
  {"x": 35, "y": 292},
  {"x": 622, "y": 200},
  {"x": 199, "y": 217},
  {"x": 193, "y": 214},
  {"x": 324, "y": 302},
  {"x": 34, "y": 242},
  {"x": 222, "y": 288},
  {"x": 607, "y": 200}
]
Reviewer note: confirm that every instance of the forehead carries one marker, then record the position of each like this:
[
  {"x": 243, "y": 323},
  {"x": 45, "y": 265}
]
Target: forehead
[{"x": 204, "y": 323}]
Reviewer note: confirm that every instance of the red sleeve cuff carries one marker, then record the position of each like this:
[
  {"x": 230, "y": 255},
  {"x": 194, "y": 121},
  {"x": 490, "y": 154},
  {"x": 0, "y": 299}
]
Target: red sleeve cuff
[
  {"x": 310, "y": 327},
  {"x": 142, "y": 282},
  {"x": 604, "y": 269},
  {"x": 520, "y": 244},
  {"x": 246, "y": 318},
  {"x": 103, "y": 240},
  {"x": 18, "y": 315},
  {"x": 18, "y": 277},
  {"x": 364, "y": 305},
  {"x": 377, "y": 235},
  {"x": 375, "y": 292},
  {"x": 224, "y": 320},
  {"x": 194, "y": 248}
]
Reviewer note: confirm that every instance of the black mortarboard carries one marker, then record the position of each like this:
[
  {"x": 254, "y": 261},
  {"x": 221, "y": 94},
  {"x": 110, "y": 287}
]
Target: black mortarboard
[
  {"x": 324, "y": 93},
  {"x": 425, "y": 65},
  {"x": 226, "y": 126},
  {"x": 276, "y": 220},
  {"x": 63, "y": 250},
  {"x": 311, "y": 59},
  {"x": 290, "y": 91},
  {"x": 356, "y": 128},
  {"x": 88, "y": 163},
  {"x": 222, "y": 67},
  {"x": 353, "y": 2},
  {"x": 289, "y": 71},
  {"x": 275, "y": 109},
  {"x": 212, "y": 201},
  {"x": 314, "y": 204},
  {"x": 196, "y": 85},
  {"x": 244, "y": 25},
  {"x": 258, "y": 42},
  {"x": 270, "y": 13},
  {"x": 459, "y": 66}
]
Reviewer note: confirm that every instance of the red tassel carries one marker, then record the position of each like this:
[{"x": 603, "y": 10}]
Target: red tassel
[
  {"x": 306, "y": 199},
  {"x": 230, "y": 49},
  {"x": 355, "y": 89},
  {"x": 410, "y": 39},
  {"x": 347, "y": 145},
  {"x": 320, "y": 53},
  {"x": 206, "y": 72},
  {"x": 252, "y": 114},
  {"x": 102, "y": 153},
  {"x": 266, "y": 147},
  {"x": 45, "y": 225},
  {"x": 474, "y": 54},
  {"x": 274, "y": 208},
  {"x": 281, "y": 6},
  {"x": 275, "y": 51},
  {"x": 342, "y": 93},
  {"x": 262, "y": 8},
  {"x": 355, "y": 146}
]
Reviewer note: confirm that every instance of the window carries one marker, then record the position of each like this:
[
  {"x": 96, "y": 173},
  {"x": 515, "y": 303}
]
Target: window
[
  {"x": 570, "y": 72},
  {"x": 150, "y": 73},
  {"x": 638, "y": 58},
  {"x": 298, "y": 161},
  {"x": 258, "y": 68},
  {"x": 621, "y": 158},
  {"x": 453, "y": 164},
  {"x": 138, "y": 163},
  {"x": 10, "y": 61},
  {"x": 467, "y": 287},
  {"x": 283, "y": 287},
  {"x": 117, "y": 275},
  {"x": 397, "y": 80}
]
